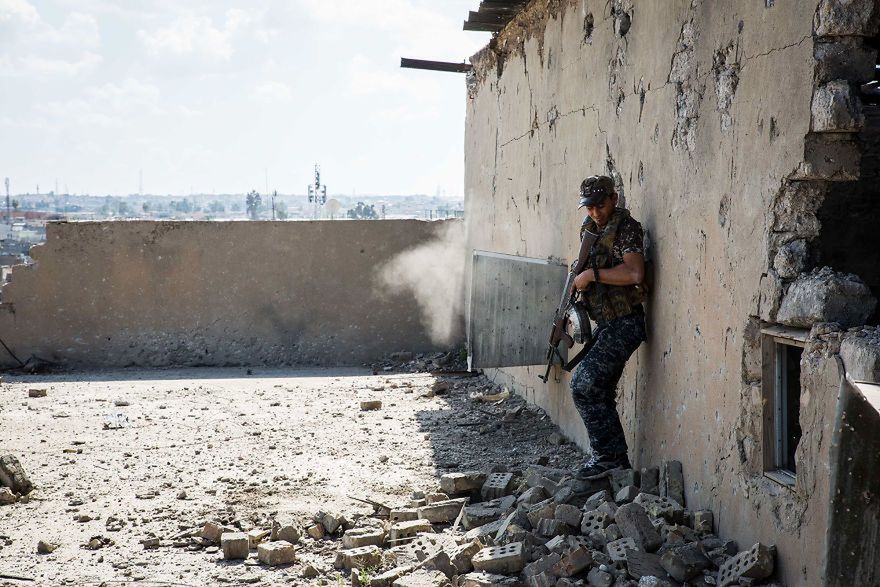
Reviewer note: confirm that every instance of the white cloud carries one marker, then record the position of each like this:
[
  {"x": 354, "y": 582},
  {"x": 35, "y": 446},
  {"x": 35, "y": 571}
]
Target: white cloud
[
  {"x": 112, "y": 105},
  {"x": 20, "y": 11},
  {"x": 272, "y": 92}
]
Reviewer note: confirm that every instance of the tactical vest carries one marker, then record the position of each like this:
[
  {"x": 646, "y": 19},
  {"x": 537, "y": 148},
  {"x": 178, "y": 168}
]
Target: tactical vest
[{"x": 606, "y": 302}]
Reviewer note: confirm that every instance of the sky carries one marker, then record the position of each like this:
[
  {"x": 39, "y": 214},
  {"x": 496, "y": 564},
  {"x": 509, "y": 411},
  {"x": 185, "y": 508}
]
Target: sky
[{"x": 211, "y": 96}]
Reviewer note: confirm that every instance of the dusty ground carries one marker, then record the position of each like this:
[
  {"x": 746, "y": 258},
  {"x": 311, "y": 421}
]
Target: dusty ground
[{"x": 242, "y": 448}]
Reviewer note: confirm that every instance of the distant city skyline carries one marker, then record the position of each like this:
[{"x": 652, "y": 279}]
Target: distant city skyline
[{"x": 213, "y": 96}]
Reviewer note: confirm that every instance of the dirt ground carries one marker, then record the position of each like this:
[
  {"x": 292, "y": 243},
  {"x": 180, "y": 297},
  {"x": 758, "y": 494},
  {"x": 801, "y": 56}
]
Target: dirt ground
[{"x": 130, "y": 455}]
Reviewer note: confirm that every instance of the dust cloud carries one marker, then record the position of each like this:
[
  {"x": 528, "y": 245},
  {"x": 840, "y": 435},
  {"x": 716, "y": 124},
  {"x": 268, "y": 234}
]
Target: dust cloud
[{"x": 434, "y": 274}]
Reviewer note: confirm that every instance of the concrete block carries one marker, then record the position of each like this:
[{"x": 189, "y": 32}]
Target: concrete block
[
  {"x": 754, "y": 563},
  {"x": 553, "y": 527},
  {"x": 620, "y": 478},
  {"x": 597, "y": 499},
  {"x": 404, "y": 515},
  {"x": 422, "y": 578},
  {"x": 484, "y": 532},
  {"x": 433, "y": 497},
  {"x": 235, "y": 545},
  {"x": 461, "y": 556},
  {"x": 541, "y": 511},
  {"x": 417, "y": 550},
  {"x": 13, "y": 476},
  {"x": 387, "y": 578},
  {"x": 506, "y": 524},
  {"x": 535, "y": 473},
  {"x": 316, "y": 531},
  {"x": 507, "y": 559},
  {"x": 573, "y": 562},
  {"x": 359, "y": 537},
  {"x": 497, "y": 485},
  {"x": 626, "y": 494},
  {"x": 285, "y": 529},
  {"x": 543, "y": 564},
  {"x": 369, "y": 405},
  {"x": 704, "y": 522},
  {"x": 672, "y": 482},
  {"x": 212, "y": 531},
  {"x": 661, "y": 507},
  {"x": 612, "y": 533},
  {"x": 478, "y": 515},
  {"x": 440, "y": 561},
  {"x": 256, "y": 536},
  {"x": 557, "y": 544},
  {"x": 568, "y": 514},
  {"x": 442, "y": 512},
  {"x": 417, "y": 503},
  {"x": 836, "y": 108},
  {"x": 649, "y": 481},
  {"x": 617, "y": 549},
  {"x": 37, "y": 392},
  {"x": 634, "y": 523},
  {"x": 276, "y": 553},
  {"x": 331, "y": 522},
  {"x": 826, "y": 296},
  {"x": 466, "y": 482},
  {"x": 359, "y": 558},
  {"x": 685, "y": 562},
  {"x": 643, "y": 564},
  {"x": 402, "y": 530},
  {"x": 594, "y": 520},
  {"x": 609, "y": 508},
  {"x": 599, "y": 578}
]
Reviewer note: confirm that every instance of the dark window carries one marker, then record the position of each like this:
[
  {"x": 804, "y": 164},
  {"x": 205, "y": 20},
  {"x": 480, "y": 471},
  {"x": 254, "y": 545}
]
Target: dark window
[{"x": 787, "y": 402}]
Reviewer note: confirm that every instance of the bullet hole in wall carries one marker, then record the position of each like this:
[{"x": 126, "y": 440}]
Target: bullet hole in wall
[{"x": 588, "y": 29}]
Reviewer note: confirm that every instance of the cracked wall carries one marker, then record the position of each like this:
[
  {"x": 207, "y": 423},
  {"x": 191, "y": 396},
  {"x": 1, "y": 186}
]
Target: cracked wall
[
  {"x": 158, "y": 294},
  {"x": 726, "y": 138}
]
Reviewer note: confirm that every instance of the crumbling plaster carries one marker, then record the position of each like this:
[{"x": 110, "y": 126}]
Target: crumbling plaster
[
  {"x": 712, "y": 135},
  {"x": 118, "y": 294}
]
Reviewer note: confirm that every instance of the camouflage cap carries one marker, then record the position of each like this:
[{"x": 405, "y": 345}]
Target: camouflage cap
[{"x": 594, "y": 189}]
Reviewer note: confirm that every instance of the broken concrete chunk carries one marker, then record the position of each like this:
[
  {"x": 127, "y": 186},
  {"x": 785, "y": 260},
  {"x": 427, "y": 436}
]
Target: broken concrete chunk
[
  {"x": 212, "y": 531},
  {"x": 573, "y": 562},
  {"x": 661, "y": 507},
  {"x": 235, "y": 545},
  {"x": 358, "y": 537},
  {"x": 276, "y": 553},
  {"x": 257, "y": 535},
  {"x": 703, "y": 521},
  {"x": 507, "y": 559},
  {"x": 569, "y": 514},
  {"x": 44, "y": 547},
  {"x": 484, "y": 532},
  {"x": 634, "y": 523},
  {"x": 458, "y": 483},
  {"x": 620, "y": 478},
  {"x": 369, "y": 405},
  {"x": 283, "y": 529},
  {"x": 553, "y": 527},
  {"x": 433, "y": 497},
  {"x": 403, "y": 515},
  {"x": 480, "y": 579},
  {"x": 626, "y": 494},
  {"x": 532, "y": 495},
  {"x": 597, "y": 499},
  {"x": 461, "y": 556},
  {"x": 408, "y": 529},
  {"x": 316, "y": 531},
  {"x": 330, "y": 522},
  {"x": 12, "y": 475},
  {"x": 37, "y": 392},
  {"x": 825, "y": 296},
  {"x": 535, "y": 473},
  {"x": 545, "y": 563},
  {"x": 836, "y": 108},
  {"x": 594, "y": 520},
  {"x": 845, "y": 18},
  {"x": 649, "y": 481},
  {"x": 6, "y": 496},
  {"x": 479, "y": 514},
  {"x": 541, "y": 580},
  {"x": 643, "y": 564},
  {"x": 755, "y": 563},
  {"x": 359, "y": 558},
  {"x": 685, "y": 562},
  {"x": 618, "y": 548},
  {"x": 672, "y": 481},
  {"x": 791, "y": 259},
  {"x": 599, "y": 578}
]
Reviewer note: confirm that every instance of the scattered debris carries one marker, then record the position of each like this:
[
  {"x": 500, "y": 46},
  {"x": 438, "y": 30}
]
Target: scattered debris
[{"x": 38, "y": 392}]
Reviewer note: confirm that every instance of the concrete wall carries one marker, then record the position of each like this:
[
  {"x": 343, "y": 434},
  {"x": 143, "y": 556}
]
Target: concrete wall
[
  {"x": 703, "y": 112},
  {"x": 113, "y": 294}
]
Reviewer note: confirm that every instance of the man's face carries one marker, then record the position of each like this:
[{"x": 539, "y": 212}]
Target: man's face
[{"x": 601, "y": 212}]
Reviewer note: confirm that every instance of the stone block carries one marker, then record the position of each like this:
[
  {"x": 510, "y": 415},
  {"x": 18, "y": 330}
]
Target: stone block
[
  {"x": 704, "y": 521},
  {"x": 825, "y": 296},
  {"x": 212, "y": 531},
  {"x": 836, "y": 108},
  {"x": 594, "y": 520},
  {"x": 422, "y": 578},
  {"x": 285, "y": 529},
  {"x": 408, "y": 529},
  {"x": 461, "y": 556},
  {"x": 568, "y": 514},
  {"x": 316, "y": 531},
  {"x": 465, "y": 482},
  {"x": 672, "y": 482},
  {"x": 442, "y": 512},
  {"x": 256, "y": 536},
  {"x": 634, "y": 523},
  {"x": 276, "y": 553},
  {"x": 626, "y": 494},
  {"x": 754, "y": 563},
  {"x": 685, "y": 562},
  {"x": 643, "y": 564},
  {"x": 845, "y": 18},
  {"x": 235, "y": 545},
  {"x": 359, "y": 537},
  {"x": 359, "y": 558},
  {"x": 497, "y": 485},
  {"x": 404, "y": 515},
  {"x": 617, "y": 549},
  {"x": 507, "y": 559},
  {"x": 650, "y": 480},
  {"x": 573, "y": 562},
  {"x": 553, "y": 527},
  {"x": 417, "y": 503},
  {"x": 12, "y": 475},
  {"x": 331, "y": 522}
]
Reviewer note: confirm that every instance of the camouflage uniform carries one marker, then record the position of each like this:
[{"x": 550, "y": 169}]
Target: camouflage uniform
[{"x": 594, "y": 383}]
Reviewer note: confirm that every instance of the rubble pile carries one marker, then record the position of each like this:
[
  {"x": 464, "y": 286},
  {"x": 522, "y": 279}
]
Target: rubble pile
[
  {"x": 409, "y": 362},
  {"x": 537, "y": 527},
  {"x": 14, "y": 482}
]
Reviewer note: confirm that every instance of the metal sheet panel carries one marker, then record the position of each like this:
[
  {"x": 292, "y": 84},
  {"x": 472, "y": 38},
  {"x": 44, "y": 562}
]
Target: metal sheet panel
[{"x": 511, "y": 309}]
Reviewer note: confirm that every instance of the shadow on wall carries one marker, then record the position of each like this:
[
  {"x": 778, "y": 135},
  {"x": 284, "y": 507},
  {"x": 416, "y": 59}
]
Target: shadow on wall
[{"x": 434, "y": 273}]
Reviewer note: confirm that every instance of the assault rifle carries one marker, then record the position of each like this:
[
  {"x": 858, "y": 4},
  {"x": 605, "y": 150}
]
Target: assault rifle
[{"x": 571, "y": 312}]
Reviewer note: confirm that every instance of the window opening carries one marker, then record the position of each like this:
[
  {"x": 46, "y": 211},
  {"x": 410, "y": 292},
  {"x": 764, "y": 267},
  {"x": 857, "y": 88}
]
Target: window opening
[{"x": 787, "y": 396}]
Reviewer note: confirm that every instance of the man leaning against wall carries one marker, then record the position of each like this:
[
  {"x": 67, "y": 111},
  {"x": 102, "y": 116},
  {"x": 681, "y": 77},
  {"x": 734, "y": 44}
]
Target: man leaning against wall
[{"x": 611, "y": 289}]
